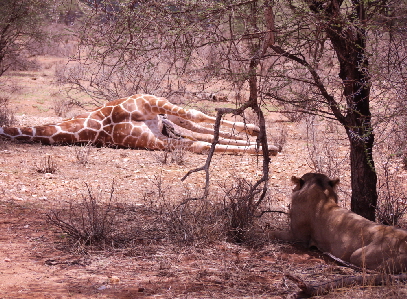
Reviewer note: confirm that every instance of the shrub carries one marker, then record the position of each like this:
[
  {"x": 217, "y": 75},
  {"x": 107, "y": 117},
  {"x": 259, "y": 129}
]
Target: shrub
[
  {"x": 88, "y": 222},
  {"x": 6, "y": 114},
  {"x": 392, "y": 202},
  {"x": 82, "y": 153},
  {"x": 46, "y": 165}
]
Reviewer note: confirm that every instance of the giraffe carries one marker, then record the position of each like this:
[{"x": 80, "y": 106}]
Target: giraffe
[{"x": 140, "y": 121}]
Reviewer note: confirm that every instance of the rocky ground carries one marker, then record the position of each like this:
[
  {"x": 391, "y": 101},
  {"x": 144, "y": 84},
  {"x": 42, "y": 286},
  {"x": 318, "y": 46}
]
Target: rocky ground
[{"x": 38, "y": 261}]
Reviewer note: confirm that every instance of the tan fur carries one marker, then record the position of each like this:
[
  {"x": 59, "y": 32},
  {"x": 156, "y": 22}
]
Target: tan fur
[{"x": 317, "y": 220}]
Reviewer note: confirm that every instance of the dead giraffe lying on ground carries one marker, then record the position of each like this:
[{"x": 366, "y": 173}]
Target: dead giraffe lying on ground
[{"x": 140, "y": 121}]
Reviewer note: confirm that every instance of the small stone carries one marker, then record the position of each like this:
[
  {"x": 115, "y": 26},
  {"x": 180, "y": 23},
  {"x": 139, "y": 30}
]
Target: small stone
[
  {"x": 114, "y": 279},
  {"x": 48, "y": 175}
]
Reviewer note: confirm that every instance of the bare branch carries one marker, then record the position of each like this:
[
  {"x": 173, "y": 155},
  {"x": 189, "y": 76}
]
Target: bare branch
[
  {"x": 220, "y": 113},
  {"x": 318, "y": 82}
]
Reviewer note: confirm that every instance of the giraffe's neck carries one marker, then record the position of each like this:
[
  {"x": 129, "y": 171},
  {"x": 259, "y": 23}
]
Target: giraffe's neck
[{"x": 46, "y": 134}]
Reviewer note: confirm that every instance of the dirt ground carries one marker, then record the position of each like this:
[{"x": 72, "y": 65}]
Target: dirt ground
[{"x": 37, "y": 262}]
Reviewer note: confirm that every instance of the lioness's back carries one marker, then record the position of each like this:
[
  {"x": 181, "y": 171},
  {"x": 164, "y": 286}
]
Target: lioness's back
[{"x": 316, "y": 219}]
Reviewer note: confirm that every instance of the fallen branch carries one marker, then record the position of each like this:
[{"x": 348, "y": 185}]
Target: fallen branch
[
  {"x": 349, "y": 265},
  {"x": 271, "y": 211},
  {"x": 348, "y": 281}
]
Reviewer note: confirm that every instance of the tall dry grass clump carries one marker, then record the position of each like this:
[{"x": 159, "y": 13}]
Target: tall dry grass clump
[{"x": 6, "y": 113}]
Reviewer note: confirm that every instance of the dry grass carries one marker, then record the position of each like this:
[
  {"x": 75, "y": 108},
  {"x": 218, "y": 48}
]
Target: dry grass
[
  {"x": 82, "y": 153},
  {"x": 6, "y": 114},
  {"x": 158, "y": 244},
  {"x": 178, "y": 155},
  {"x": 154, "y": 243},
  {"x": 46, "y": 165}
]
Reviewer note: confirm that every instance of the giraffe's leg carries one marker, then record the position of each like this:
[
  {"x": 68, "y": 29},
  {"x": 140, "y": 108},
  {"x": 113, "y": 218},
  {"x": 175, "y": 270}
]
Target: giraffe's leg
[
  {"x": 189, "y": 125},
  {"x": 198, "y": 133},
  {"x": 148, "y": 134},
  {"x": 198, "y": 116},
  {"x": 207, "y": 136},
  {"x": 203, "y": 147},
  {"x": 209, "y": 139},
  {"x": 160, "y": 141},
  {"x": 155, "y": 105},
  {"x": 157, "y": 141}
]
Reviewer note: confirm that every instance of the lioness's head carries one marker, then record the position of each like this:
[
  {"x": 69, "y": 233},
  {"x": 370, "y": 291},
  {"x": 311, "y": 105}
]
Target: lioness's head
[{"x": 316, "y": 182}]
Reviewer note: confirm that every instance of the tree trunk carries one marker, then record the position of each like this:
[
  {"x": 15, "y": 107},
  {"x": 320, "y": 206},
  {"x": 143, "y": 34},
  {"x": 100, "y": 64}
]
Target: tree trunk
[
  {"x": 348, "y": 37},
  {"x": 363, "y": 179},
  {"x": 359, "y": 129}
]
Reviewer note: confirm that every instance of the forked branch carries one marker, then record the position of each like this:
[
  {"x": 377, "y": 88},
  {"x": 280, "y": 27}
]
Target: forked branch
[{"x": 205, "y": 167}]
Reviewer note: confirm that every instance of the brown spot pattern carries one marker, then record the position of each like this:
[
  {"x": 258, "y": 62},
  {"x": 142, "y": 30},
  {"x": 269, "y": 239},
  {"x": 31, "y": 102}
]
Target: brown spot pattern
[
  {"x": 27, "y": 131},
  {"x": 72, "y": 126},
  {"x": 45, "y": 130},
  {"x": 93, "y": 124},
  {"x": 119, "y": 115},
  {"x": 11, "y": 131},
  {"x": 121, "y": 131},
  {"x": 64, "y": 138},
  {"x": 127, "y": 122},
  {"x": 23, "y": 138},
  {"x": 87, "y": 135}
]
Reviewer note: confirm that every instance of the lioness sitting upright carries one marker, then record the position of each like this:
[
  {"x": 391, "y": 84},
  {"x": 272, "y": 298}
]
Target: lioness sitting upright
[{"x": 317, "y": 220}]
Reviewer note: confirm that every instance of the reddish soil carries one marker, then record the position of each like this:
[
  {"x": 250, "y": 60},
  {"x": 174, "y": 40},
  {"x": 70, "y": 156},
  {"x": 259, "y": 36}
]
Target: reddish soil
[{"x": 37, "y": 261}]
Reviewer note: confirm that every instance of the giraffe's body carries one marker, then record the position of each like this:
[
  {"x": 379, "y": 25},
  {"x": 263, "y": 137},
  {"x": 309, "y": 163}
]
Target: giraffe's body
[{"x": 136, "y": 122}]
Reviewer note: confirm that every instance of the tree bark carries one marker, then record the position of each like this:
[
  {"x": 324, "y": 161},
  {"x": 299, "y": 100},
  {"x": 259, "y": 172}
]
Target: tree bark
[
  {"x": 363, "y": 180},
  {"x": 348, "y": 37}
]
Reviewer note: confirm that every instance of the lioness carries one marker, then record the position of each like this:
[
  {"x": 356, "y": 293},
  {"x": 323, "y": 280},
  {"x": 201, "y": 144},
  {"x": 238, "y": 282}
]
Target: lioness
[{"x": 317, "y": 220}]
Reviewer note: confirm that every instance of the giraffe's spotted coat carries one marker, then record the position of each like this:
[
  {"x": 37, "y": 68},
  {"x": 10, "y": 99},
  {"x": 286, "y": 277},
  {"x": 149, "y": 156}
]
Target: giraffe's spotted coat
[{"x": 135, "y": 122}]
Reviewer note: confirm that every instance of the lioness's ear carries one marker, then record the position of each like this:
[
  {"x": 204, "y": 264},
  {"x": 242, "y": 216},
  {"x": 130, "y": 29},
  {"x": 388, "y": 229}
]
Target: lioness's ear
[
  {"x": 298, "y": 182},
  {"x": 334, "y": 183}
]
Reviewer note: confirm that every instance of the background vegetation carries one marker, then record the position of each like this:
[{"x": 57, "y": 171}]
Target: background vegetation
[
  {"x": 342, "y": 61},
  {"x": 335, "y": 69}
]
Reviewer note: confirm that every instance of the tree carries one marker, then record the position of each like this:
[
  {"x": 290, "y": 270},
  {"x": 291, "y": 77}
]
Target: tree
[
  {"x": 341, "y": 31},
  {"x": 347, "y": 34},
  {"x": 20, "y": 23},
  {"x": 286, "y": 51},
  {"x": 345, "y": 28},
  {"x": 163, "y": 48}
]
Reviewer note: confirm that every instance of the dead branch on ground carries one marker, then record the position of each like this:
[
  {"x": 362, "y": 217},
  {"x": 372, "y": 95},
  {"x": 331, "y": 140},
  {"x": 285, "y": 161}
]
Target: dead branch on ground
[{"x": 348, "y": 281}]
